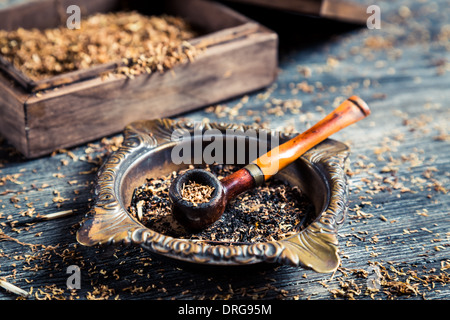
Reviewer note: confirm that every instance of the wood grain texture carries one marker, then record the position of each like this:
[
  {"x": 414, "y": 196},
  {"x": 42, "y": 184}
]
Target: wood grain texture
[
  {"x": 207, "y": 80},
  {"x": 398, "y": 216}
]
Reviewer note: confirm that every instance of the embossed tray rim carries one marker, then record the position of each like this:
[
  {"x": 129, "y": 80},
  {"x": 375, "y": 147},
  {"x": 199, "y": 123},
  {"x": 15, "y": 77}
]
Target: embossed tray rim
[{"x": 108, "y": 222}]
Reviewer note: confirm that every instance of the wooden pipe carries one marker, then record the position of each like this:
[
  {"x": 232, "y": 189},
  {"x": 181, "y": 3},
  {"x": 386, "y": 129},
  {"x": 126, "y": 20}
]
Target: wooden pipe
[{"x": 198, "y": 216}]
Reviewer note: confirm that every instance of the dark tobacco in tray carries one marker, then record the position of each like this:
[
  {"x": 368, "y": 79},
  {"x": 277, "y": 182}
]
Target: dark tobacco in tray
[{"x": 272, "y": 211}]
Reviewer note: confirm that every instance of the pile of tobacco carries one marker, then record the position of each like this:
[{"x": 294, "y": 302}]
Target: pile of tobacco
[
  {"x": 143, "y": 44},
  {"x": 196, "y": 193},
  {"x": 272, "y": 211}
]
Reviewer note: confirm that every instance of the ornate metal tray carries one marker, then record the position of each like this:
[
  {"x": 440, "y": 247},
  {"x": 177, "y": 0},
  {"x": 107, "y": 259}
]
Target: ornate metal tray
[{"x": 146, "y": 152}]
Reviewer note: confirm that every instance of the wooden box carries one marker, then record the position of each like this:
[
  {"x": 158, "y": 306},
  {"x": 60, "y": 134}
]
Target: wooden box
[{"x": 80, "y": 106}]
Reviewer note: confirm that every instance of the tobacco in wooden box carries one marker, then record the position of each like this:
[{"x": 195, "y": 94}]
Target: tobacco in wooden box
[{"x": 68, "y": 109}]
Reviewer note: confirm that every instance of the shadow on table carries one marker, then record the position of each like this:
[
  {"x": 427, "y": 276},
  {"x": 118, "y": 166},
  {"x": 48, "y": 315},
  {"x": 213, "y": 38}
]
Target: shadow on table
[{"x": 295, "y": 31}]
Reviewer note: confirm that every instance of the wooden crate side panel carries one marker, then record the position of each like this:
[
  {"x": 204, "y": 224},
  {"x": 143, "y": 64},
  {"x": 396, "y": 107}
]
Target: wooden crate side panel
[
  {"x": 75, "y": 115},
  {"x": 12, "y": 116}
]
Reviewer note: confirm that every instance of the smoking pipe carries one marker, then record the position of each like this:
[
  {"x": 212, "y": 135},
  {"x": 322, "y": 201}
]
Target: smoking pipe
[{"x": 197, "y": 216}]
